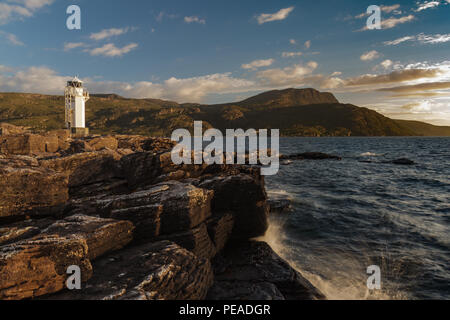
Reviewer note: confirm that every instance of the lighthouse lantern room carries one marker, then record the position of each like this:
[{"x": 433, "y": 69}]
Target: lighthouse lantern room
[{"x": 76, "y": 97}]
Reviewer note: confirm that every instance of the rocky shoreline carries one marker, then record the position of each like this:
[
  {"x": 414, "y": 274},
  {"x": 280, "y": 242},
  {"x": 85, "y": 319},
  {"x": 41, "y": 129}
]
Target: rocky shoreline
[{"x": 138, "y": 226}]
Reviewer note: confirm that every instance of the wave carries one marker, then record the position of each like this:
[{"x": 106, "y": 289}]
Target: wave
[{"x": 370, "y": 154}]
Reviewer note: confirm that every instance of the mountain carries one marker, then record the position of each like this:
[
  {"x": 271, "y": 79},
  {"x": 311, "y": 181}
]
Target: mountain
[
  {"x": 425, "y": 129},
  {"x": 289, "y": 98},
  {"x": 296, "y": 112}
]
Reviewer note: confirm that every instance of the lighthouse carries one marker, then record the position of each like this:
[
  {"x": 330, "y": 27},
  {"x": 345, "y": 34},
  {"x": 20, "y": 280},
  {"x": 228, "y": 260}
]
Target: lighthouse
[{"x": 76, "y": 97}]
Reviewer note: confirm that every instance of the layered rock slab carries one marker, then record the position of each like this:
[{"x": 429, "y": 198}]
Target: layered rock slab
[
  {"x": 27, "y": 189},
  {"x": 154, "y": 271},
  {"x": 253, "y": 270},
  {"x": 37, "y": 266}
]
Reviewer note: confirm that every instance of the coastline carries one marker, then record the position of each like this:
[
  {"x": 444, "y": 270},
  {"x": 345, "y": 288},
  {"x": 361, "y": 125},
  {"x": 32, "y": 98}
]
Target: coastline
[{"x": 137, "y": 226}]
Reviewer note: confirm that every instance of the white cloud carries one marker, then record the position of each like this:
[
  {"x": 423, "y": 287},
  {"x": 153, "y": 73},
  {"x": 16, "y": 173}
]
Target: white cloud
[
  {"x": 295, "y": 75},
  {"x": 427, "y": 5},
  {"x": 369, "y": 56},
  {"x": 388, "y": 9},
  {"x": 386, "y": 64},
  {"x": 108, "y": 33},
  {"x": 195, "y": 19},
  {"x": 19, "y": 9},
  {"x": 12, "y": 38},
  {"x": 421, "y": 38},
  {"x": 399, "y": 40},
  {"x": 393, "y": 22},
  {"x": 291, "y": 54},
  {"x": 308, "y": 44},
  {"x": 73, "y": 45},
  {"x": 277, "y": 16},
  {"x": 110, "y": 50},
  {"x": 46, "y": 81},
  {"x": 258, "y": 64},
  {"x": 160, "y": 17}
]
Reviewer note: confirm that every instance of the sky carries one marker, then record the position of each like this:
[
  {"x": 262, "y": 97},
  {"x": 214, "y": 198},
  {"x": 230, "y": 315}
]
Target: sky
[{"x": 209, "y": 51}]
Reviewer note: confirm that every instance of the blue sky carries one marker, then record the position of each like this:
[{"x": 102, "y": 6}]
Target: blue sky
[{"x": 222, "y": 51}]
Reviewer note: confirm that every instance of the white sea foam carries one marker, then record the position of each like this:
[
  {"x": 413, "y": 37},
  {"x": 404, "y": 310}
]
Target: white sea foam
[{"x": 369, "y": 154}]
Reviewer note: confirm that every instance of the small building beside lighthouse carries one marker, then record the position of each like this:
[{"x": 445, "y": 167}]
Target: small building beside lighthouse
[{"x": 75, "y": 98}]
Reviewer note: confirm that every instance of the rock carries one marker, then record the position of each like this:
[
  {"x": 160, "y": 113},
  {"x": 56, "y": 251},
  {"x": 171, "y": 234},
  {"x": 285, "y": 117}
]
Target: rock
[
  {"x": 38, "y": 266},
  {"x": 247, "y": 291},
  {"x": 141, "y": 144},
  {"x": 147, "y": 168},
  {"x": 243, "y": 195},
  {"x": 100, "y": 143},
  {"x": 310, "y": 156},
  {"x": 195, "y": 240},
  {"x": 279, "y": 205},
  {"x": 30, "y": 190},
  {"x": 86, "y": 168},
  {"x": 101, "y": 235},
  {"x": 77, "y": 146},
  {"x": 9, "y": 129},
  {"x": 163, "y": 209},
  {"x": 154, "y": 271},
  {"x": 402, "y": 161},
  {"x": 279, "y": 202},
  {"x": 220, "y": 228},
  {"x": 250, "y": 267},
  {"x": 18, "y": 231}
]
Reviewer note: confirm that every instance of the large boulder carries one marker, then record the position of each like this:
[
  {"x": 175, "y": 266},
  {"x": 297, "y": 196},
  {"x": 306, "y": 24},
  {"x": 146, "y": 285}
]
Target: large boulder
[
  {"x": 30, "y": 190},
  {"x": 100, "y": 143},
  {"x": 85, "y": 168},
  {"x": 252, "y": 270},
  {"x": 101, "y": 235},
  {"x": 38, "y": 266},
  {"x": 163, "y": 209},
  {"x": 154, "y": 271},
  {"x": 243, "y": 195},
  {"x": 9, "y": 129}
]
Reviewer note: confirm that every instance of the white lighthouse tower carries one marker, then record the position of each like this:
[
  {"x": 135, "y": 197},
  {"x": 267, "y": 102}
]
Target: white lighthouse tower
[{"x": 76, "y": 97}]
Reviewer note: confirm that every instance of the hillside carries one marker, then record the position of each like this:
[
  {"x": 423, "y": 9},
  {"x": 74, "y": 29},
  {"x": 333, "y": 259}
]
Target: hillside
[
  {"x": 425, "y": 129},
  {"x": 296, "y": 112}
]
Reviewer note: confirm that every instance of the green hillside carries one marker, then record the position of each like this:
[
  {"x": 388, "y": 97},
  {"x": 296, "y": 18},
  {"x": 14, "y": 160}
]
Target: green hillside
[{"x": 296, "y": 112}]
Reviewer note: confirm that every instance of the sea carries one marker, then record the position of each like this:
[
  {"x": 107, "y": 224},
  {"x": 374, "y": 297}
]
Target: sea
[{"x": 361, "y": 211}]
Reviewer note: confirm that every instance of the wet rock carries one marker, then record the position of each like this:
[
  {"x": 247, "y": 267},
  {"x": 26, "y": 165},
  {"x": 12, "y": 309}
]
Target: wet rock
[
  {"x": 220, "y": 228},
  {"x": 255, "y": 262},
  {"x": 402, "y": 161},
  {"x": 310, "y": 156},
  {"x": 247, "y": 291},
  {"x": 279, "y": 205},
  {"x": 38, "y": 266},
  {"x": 243, "y": 195},
  {"x": 154, "y": 271}
]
